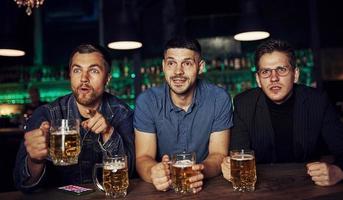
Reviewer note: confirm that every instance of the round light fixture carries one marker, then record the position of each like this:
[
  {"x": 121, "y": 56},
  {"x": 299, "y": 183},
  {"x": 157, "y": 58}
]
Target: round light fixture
[
  {"x": 125, "y": 45},
  {"x": 251, "y": 36},
  {"x": 11, "y": 52}
]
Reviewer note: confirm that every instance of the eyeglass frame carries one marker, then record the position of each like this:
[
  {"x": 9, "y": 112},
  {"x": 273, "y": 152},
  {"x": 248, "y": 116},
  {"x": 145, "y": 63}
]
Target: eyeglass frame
[{"x": 270, "y": 71}]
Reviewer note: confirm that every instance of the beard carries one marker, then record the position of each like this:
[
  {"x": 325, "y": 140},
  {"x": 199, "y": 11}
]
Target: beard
[{"x": 88, "y": 99}]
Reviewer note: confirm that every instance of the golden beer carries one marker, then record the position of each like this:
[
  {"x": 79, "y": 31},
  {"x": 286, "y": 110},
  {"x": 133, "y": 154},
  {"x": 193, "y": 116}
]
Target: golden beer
[
  {"x": 243, "y": 171},
  {"x": 115, "y": 176},
  {"x": 181, "y": 171},
  {"x": 115, "y": 179},
  {"x": 64, "y": 147}
]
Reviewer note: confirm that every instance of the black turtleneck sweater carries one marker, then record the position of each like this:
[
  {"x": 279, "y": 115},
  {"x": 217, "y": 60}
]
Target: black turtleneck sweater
[{"x": 282, "y": 122}]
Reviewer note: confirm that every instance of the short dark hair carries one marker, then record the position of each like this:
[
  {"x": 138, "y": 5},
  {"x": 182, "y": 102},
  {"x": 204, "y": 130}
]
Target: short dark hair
[
  {"x": 91, "y": 48},
  {"x": 275, "y": 45},
  {"x": 183, "y": 42}
]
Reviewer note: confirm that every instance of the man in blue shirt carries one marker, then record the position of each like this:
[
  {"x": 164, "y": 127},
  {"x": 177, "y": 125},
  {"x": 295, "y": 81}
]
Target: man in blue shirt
[
  {"x": 185, "y": 114},
  {"x": 106, "y": 125}
]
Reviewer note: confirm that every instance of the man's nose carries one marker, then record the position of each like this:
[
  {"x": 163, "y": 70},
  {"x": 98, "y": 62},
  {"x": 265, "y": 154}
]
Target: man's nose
[
  {"x": 179, "y": 69},
  {"x": 84, "y": 77},
  {"x": 274, "y": 75}
]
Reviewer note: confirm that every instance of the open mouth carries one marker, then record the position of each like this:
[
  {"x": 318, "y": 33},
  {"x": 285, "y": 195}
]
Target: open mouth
[
  {"x": 84, "y": 90},
  {"x": 179, "y": 81}
]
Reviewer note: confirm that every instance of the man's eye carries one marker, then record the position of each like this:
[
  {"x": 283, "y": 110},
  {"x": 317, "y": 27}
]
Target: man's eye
[
  {"x": 186, "y": 64},
  {"x": 94, "y": 71},
  {"x": 266, "y": 71},
  {"x": 281, "y": 69},
  {"x": 76, "y": 70},
  {"x": 170, "y": 63}
]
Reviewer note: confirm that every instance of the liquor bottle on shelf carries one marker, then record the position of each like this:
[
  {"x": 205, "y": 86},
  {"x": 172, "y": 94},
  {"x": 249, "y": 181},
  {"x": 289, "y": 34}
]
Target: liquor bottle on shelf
[{"x": 235, "y": 73}]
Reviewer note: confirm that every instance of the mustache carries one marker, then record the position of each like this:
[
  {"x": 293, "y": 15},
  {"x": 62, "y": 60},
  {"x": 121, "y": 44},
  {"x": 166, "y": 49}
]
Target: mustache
[
  {"x": 275, "y": 84},
  {"x": 178, "y": 77},
  {"x": 87, "y": 86}
]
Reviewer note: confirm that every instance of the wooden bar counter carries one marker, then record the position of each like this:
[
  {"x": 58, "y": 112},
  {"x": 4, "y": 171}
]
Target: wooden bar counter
[{"x": 275, "y": 181}]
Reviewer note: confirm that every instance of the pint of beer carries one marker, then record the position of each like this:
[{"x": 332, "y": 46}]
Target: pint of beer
[
  {"x": 115, "y": 176},
  {"x": 243, "y": 170},
  {"x": 181, "y": 171},
  {"x": 64, "y": 147}
]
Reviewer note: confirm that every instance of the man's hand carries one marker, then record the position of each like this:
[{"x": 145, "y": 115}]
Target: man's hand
[
  {"x": 160, "y": 174},
  {"x": 36, "y": 142},
  {"x": 324, "y": 174},
  {"x": 226, "y": 168},
  {"x": 196, "y": 181},
  {"x": 98, "y": 124}
]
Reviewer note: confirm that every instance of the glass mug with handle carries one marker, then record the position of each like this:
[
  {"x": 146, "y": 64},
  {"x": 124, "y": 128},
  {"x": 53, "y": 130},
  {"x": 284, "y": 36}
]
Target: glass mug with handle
[
  {"x": 243, "y": 170},
  {"x": 64, "y": 141},
  {"x": 181, "y": 171},
  {"x": 115, "y": 176}
]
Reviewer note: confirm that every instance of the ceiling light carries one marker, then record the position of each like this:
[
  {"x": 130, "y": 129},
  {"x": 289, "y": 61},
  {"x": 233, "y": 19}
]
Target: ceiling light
[
  {"x": 11, "y": 52},
  {"x": 250, "y": 27},
  {"x": 29, "y": 4},
  {"x": 251, "y": 35},
  {"x": 121, "y": 29}
]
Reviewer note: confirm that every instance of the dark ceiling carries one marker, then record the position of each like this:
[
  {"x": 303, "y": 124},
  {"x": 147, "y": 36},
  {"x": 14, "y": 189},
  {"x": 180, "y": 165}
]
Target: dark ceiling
[{"x": 67, "y": 23}]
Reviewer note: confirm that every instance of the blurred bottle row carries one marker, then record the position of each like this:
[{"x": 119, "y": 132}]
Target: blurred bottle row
[{"x": 234, "y": 73}]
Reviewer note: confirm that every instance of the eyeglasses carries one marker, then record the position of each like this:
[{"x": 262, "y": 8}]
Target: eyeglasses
[{"x": 280, "y": 71}]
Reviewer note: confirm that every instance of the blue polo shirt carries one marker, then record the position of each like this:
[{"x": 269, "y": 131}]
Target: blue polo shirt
[{"x": 177, "y": 130}]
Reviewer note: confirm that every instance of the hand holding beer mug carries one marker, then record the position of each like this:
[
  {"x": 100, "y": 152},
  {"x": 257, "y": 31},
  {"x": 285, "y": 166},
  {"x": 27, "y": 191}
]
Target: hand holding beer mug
[
  {"x": 243, "y": 170},
  {"x": 65, "y": 141},
  {"x": 181, "y": 172},
  {"x": 115, "y": 176},
  {"x": 160, "y": 174}
]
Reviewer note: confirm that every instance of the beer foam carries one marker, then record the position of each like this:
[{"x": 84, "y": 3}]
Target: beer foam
[
  {"x": 242, "y": 157},
  {"x": 114, "y": 166},
  {"x": 183, "y": 163},
  {"x": 72, "y": 132}
]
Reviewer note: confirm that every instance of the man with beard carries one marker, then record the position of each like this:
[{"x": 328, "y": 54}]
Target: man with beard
[
  {"x": 287, "y": 122},
  {"x": 185, "y": 114},
  {"x": 106, "y": 125}
]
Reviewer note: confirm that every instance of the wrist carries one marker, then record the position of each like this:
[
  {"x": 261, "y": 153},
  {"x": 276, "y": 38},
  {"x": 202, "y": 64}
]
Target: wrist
[
  {"x": 340, "y": 172},
  {"x": 36, "y": 161},
  {"x": 107, "y": 133}
]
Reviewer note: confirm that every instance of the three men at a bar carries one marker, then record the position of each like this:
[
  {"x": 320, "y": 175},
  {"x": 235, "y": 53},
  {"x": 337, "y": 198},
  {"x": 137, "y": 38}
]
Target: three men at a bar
[{"x": 282, "y": 121}]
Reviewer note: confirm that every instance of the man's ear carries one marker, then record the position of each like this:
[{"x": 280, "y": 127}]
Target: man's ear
[
  {"x": 163, "y": 65},
  {"x": 202, "y": 64},
  {"x": 108, "y": 79},
  {"x": 258, "y": 80},
  {"x": 296, "y": 74}
]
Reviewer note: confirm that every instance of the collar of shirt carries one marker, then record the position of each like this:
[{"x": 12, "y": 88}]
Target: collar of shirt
[{"x": 195, "y": 101}]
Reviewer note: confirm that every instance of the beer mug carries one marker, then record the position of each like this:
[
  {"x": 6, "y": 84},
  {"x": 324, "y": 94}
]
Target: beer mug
[
  {"x": 115, "y": 176},
  {"x": 64, "y": 141},
  {"x": 181, "y": 171},
  {"x": 243, "y": 170}
]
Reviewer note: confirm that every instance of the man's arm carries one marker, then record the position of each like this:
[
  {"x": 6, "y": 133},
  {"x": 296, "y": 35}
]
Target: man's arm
[
  {"x": 30, "y": 161},
  {"x": 146, "y": 165},
  {"x": 145, "y": 154},
  {"x": 218, "y": 149},
  {"x": 322, "y": 173},
  {"x": 119, "y": 140},
  {"x": 239, "y": 138},
  {"x": 37, "y": 150}
]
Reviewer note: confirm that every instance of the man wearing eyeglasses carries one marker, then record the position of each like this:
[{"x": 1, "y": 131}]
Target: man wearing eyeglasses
[{"x": 287, "y": 122}]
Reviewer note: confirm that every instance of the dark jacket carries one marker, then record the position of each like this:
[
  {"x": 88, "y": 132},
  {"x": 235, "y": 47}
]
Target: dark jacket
[
  {"x": 315, "y": 125},
  {"x": 117, "y": 113}
]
